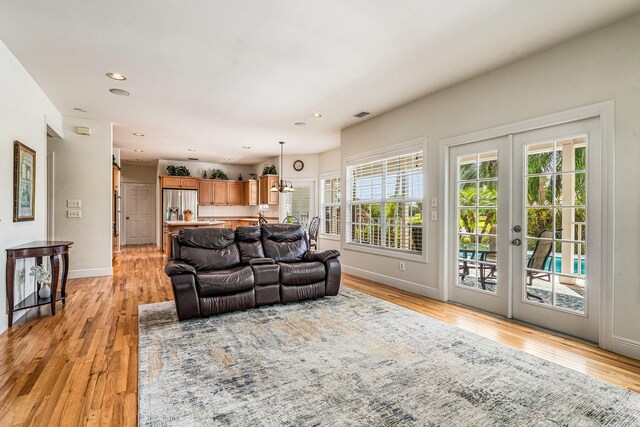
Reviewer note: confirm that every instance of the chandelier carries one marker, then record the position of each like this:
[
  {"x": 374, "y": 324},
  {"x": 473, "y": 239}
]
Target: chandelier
[{"x": 282, "y": 186}]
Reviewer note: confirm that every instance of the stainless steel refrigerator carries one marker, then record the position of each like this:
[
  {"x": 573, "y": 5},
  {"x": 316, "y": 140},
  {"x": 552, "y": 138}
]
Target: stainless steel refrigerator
[{"x": 174, "y": 202}]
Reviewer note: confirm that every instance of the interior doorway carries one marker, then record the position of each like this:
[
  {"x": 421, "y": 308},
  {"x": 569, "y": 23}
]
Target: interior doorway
[
  {"x": 525, "y": 214},
  {"x": 139, "y": 214}
]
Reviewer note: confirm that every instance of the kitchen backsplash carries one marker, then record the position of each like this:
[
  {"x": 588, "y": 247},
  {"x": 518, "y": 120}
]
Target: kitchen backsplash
[{"x": 239, "y": 211}]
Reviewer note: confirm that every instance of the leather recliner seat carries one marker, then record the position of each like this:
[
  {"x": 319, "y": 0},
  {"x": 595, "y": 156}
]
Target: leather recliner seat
[{"x": 215, "y": 271}]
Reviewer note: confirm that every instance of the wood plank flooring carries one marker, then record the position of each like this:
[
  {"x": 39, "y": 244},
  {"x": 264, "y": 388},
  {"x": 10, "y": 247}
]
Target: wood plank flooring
[{"x": 80, "y": 367}]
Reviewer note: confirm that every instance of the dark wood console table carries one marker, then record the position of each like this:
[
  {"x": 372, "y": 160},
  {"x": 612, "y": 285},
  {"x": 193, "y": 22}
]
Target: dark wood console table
[{"x": 38, "y": 249}]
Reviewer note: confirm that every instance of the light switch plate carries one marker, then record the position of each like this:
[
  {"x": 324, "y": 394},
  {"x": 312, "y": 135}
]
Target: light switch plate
[
  {"x": 74, "y": 204},
  {"x": 74, "y": 213},
  {"x": 434, "y": 202}
]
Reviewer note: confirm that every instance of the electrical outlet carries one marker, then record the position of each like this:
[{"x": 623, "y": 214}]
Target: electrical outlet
[
  {"x": 74, "y": 204},
  {"x": 74, "y": 213},
  {"x": 401, "y": 266},
  {"x": 434, "y": 215}
]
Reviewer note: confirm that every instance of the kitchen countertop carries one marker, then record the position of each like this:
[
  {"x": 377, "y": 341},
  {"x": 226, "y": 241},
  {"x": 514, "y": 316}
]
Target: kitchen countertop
[
  {"x": 236, "y": 218},
  {"x": 199, "y": 222}
]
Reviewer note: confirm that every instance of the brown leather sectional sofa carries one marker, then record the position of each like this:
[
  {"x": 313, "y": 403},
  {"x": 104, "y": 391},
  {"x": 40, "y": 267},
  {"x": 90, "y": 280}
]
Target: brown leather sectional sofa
[{"x": 217, "y": 270}]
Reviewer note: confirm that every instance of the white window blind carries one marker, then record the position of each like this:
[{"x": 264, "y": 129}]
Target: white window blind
[
  {"x": 385, "y": 202},
  {"x": 330, "y": 191}
]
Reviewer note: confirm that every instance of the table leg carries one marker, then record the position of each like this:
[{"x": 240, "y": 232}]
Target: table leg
[
  {"x": 11, "y": 269},
  {"x": 55, "y": 266},
  {"x": 65, "y": 273}
]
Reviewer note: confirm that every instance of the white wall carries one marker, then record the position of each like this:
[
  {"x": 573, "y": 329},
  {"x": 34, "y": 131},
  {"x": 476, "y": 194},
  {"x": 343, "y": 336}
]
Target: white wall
[
  {"x": 25, "y": 112},
  {"x": 596, "y": 67},
  {"x": 83, "y": 171},
  {"x": 137, "y": 174}
]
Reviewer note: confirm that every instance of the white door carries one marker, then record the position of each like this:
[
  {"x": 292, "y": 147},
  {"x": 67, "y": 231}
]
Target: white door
[
  {"x": 525, "y": 211},
  {"x": 139, "y": 214},
  {"x": 479, "y": 178},
  {"x": 557, "y": 203}
]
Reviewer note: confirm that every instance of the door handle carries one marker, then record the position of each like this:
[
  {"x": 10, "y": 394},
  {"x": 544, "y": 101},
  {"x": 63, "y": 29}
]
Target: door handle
[
  {"x": 126, "y": 217},
  {"x": 516, "y": 242}
]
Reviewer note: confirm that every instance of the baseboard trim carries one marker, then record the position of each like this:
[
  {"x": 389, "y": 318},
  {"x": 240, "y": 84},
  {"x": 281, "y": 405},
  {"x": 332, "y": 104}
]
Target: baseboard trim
[
  {"x": 405, "y": 285},
  {"x": 625, "y": 346},
  {"x": 92, "y": 272}
]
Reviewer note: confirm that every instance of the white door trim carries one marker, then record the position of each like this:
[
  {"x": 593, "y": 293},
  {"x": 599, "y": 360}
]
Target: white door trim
[
  {"x": 605, "y": 111},
  {"x": 123, "y": 209}
]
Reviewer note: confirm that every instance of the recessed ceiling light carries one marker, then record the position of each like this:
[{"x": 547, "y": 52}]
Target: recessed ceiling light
[
  {"x": 119, "y": 92},
  {"x": 116, "y": 76},
  {"x": 138, "y": 151},
  {"x": 191, "y": 149},
  {"x": 246, "y": 147},
  {"x": 138, "y": 134},
  {"x": 80, "y": 110},
  {"x": 316, "y": 115},
  {"x": 301, "y": 123}
]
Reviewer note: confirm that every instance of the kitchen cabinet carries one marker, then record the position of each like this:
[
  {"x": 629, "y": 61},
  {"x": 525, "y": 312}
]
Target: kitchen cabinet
[
  {"x": 268, "y": 197},
  {"x": 220, "y": 193},
  {"x": 235, "y": 193},
  {"x": 251, "y": 192},
  {"x": 205, "y": 192},
  {"x": 179, "y": 182}
]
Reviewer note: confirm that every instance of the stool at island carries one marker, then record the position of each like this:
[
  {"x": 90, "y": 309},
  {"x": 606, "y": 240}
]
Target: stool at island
[{"x": 39, "y": 249}]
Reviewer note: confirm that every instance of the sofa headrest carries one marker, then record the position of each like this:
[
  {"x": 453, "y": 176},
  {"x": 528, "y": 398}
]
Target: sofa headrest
[
  {"x": 208, "y": 238},
  {"x": 248, "y": 234},
  {"x": 282, "y": 232}
]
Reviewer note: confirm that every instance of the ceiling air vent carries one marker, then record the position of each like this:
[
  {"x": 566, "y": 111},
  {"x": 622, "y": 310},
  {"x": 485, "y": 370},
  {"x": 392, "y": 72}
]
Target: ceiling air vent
[
  {"x": 361, "y": 114},
  {"x": 192, "y": 158}
]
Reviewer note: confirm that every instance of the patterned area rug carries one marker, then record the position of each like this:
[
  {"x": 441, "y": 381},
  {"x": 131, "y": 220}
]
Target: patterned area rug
[{"x": 354, "y": 360}]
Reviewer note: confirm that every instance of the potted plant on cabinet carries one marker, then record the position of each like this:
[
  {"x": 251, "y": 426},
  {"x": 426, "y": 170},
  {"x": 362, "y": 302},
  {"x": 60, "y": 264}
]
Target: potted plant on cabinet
[{"x": 187, "y": 214}]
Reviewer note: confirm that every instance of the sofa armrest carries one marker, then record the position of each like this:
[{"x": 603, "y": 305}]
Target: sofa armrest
[
  {"x": 333, "y": 277},
  {"x": 322, "y": 256},
  {"x": 174, "y": 268},
  {"x": 261, "y": 261},
  {"x": 186, "y": 296}
]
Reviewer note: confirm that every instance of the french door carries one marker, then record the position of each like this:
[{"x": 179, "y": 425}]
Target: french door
[{"x": 525, "y": 210}]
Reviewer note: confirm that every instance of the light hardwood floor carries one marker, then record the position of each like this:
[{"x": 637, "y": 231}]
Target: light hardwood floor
[{"x": 80, "y": 367}]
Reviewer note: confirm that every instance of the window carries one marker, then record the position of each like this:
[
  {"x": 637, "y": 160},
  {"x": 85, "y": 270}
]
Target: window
[
  {"x": 385, "y": 202},
  {"x": 330, "y": 206}
]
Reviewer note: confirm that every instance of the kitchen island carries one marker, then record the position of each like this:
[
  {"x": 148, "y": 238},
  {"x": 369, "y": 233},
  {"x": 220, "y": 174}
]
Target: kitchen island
[{"x": 173, "y": 227}]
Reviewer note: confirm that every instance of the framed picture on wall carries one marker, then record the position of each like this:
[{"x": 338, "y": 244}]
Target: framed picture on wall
[{"x": 24, "y": 182}]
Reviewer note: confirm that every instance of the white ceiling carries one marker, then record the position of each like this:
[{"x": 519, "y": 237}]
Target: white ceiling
[{"x": 218, "y": 75}]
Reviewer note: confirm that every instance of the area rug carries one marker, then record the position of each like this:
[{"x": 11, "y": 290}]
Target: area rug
[{"x": 354, "y": 360}]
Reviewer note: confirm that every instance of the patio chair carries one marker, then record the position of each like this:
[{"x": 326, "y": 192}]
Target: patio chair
[
  {"x": 313, "y": 232},
  {"x": 538, "y": 261},
  {"x": 490, "y": 256}
]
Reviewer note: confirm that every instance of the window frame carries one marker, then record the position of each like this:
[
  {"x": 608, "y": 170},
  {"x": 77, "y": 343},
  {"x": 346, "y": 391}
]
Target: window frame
[
  {"x": 419, "y": 144},
  {"x": 326, "y": 177}
]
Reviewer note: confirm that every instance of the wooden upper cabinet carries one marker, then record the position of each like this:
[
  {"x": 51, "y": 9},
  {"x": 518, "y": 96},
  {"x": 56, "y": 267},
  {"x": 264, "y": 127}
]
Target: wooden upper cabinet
[
  {"x": 179, "y": 182},
  {"x": 268, "y": 197},
  {"x": 235, "y": 193},
  {"x": 251, "y": 193},
  {"x": 205, "y": 192},
  {"x": 220, "y": 193}
]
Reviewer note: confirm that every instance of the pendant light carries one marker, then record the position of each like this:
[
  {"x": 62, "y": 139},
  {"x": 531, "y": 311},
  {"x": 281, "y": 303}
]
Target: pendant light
[{"x": 282, "y": 186}]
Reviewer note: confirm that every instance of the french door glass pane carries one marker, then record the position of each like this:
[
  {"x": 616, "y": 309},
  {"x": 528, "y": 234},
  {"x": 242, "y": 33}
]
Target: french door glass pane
[
  {"x": 477, "y": 221},
  {"x": 556, "y": 223}
]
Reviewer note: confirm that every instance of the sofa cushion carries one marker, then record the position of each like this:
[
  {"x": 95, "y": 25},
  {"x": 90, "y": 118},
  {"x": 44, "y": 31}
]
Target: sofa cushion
[
  {"x": 209, "y": 238},
  {"x": 210, "y": 259},
  {"x": 301, "y": 273},
  {"x": 249, "y": 243},
  {"x": 224, "y": 282},
  {"x": 284, "y": 242}
]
